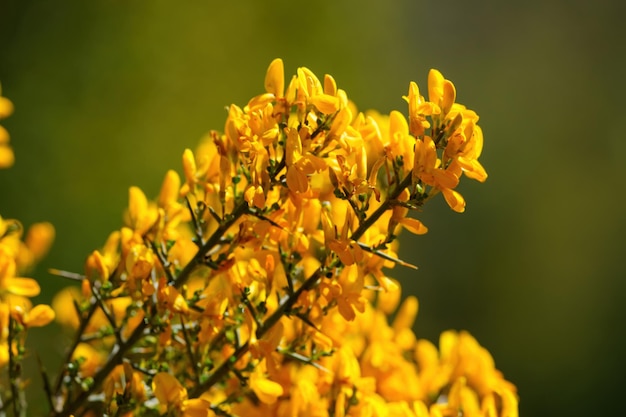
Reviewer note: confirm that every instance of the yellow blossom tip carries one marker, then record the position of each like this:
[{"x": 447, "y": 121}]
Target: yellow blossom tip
[
  {"x": 275, "y": 78},
  {"x": 6, "y": 107}
]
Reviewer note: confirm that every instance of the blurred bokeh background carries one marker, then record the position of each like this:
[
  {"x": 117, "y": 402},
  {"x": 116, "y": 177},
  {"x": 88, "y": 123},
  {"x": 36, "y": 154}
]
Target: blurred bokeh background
[{"x": 109, "y": 93}]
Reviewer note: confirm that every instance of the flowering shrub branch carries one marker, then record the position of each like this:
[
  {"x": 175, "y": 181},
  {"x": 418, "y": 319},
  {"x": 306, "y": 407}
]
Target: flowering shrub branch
[{"x": 257, "y": 284}]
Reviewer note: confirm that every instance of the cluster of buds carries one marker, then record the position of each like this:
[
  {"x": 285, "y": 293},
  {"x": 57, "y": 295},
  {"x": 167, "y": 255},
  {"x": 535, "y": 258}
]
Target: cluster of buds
[{"x": 256, "y": 284}]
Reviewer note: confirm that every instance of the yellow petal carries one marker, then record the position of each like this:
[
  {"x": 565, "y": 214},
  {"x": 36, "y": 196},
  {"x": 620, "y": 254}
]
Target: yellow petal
[
  {"x": 7, "y": 158},
  {"x": 435, "y": 87},
  {"x": 275, "y": 78},
  {"x": 4, "y": 136},
  {"x": 445, "y": 178},
  {"x": 509, "y": 404},
  {"x": 169, "y": 189},
  {"x": 340, "y": 122},
  {"x": 168, "y": 390},
  {"x": 448, "y": 340},
  {"x": 397, "y": 123},
  {"x": 325, "y": 103},
  {"x": 189, "y": 166},
  {"x": 26, "y": 287},
  {"x": 454, "y": 200},
  {"x": 267, "y": 391},
  {"x": 6, "y": 107},
  {"x": 197, "y": 407},
  {"x": 406, "y": 315},
  {"x": 297, "y": 181},
  {"x": 63, "y": 305},
  {"x": 137, "y": 204},
  {"x": 330, "y": 86},
  {"x": 414, "y": 226},
  {"x": 449, "y": 95},
  {"x": 39, "y": 239},
  {"x": 39, "y": 316}
]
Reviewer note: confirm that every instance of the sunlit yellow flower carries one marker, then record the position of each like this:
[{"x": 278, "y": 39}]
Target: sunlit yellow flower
[{"x": 258, "y": 284}]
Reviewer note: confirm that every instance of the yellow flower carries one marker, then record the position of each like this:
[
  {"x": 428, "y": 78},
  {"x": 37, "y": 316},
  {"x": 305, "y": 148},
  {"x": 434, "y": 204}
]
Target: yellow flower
[
  {"x": 265, "y": 291},
  {"x": 101, "y": 264},
  {"x": 17, "y": 256},
  {"x": 124, "y": 382},
  {"x": 7, "y": 157},
  {"x": 36, "y": 245},
  {"x": 275, "y": 78},
  {"x": 11, "y": 284},
  {"x": 346, "y": 291},
  {"x": 441, "y": 92},
  {"x": 169, "y": 298},
  {"x": 173, "y": 396},
  {"x": 38, "y": 316},
  {"x": 300, "y": 164},
  {"x": 141, "y": 215},
  {"x": 428, "y": 169},
  {"x": 89, "y": 358},
  {"x": 266, "y": 390}
]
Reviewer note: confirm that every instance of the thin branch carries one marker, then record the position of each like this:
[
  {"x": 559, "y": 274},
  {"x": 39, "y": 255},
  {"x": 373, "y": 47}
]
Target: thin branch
[
  {"x": 46, "y": 382},
  {"x": 66, "y": 274},
  {"x": 107, "y": 313},
  {"x": 222, "y": 370},
  {"x": 192, "y": 355},
  {"x": 384, "y": 255}
]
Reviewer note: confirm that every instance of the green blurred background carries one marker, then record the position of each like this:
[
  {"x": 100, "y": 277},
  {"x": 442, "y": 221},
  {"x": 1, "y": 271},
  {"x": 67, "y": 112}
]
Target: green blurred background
[{"x": 109, "y": 93}]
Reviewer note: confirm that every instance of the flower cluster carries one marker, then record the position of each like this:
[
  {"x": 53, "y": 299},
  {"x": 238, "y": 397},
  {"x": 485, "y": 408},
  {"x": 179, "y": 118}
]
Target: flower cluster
[{"x": 256, "y": 284}]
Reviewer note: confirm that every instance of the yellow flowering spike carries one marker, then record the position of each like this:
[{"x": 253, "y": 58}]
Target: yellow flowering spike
[
  {"x": 269, "y": 294},
  {"x": 275, "y": 78}
]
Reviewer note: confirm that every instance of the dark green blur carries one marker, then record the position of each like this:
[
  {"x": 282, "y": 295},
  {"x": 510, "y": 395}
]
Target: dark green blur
[{"x": 109, "y": 93}]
